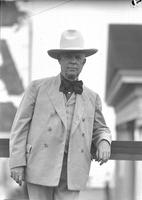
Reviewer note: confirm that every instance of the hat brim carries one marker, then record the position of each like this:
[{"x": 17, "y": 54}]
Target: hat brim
[{"x": 54, "y": 53}]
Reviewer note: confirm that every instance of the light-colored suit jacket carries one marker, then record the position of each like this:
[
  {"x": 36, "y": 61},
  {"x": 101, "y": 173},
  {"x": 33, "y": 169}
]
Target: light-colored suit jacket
[{"x": 39, "y": 131}]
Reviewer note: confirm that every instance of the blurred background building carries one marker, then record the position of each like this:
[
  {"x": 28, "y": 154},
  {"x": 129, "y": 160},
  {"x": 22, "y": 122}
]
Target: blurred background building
[
  {"x": 29, "y": 28},
  {"x": 14, "y": 77},
  {"x": 124, "y": 93}
]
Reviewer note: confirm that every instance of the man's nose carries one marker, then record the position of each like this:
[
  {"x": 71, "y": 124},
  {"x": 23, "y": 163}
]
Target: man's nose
[{"x": 73, "y": 59}]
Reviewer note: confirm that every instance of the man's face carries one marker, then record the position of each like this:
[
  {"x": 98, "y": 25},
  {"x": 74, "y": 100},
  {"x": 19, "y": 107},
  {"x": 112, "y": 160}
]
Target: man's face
[{"x": 71, "y": 64}]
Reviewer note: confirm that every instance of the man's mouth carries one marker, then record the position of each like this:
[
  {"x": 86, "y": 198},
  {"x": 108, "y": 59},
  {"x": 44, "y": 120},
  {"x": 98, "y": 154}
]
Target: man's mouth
[{"x": 72, "y": 68}]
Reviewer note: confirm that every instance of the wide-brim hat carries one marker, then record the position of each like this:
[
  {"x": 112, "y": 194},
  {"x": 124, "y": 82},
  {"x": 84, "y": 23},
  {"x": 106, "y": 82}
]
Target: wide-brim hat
[{"x": 71, "y": 41}]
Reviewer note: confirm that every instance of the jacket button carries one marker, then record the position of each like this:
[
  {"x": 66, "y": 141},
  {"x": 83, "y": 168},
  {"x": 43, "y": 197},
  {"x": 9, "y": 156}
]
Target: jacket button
[
  {"x": 83, "y": 119},
  {"x": 82, "y": 151},
  {"x": 49, "y": 129},
  {"x": 46, "y": 145}
]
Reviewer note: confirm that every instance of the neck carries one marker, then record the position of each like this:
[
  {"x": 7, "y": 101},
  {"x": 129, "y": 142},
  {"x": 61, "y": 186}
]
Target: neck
[{"x": 69, "y": 78}]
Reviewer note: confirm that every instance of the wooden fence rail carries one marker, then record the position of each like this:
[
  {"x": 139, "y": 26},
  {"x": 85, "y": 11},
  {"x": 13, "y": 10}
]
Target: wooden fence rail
[{"x": 120, "y": 150}]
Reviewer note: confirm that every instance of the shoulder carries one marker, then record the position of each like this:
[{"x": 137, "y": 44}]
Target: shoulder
[
  {"x": 41, "y": 82},
  {"x": 93, "y": 96},
  {"x": 90, "y": 93},
  {"x": 35, "y": 85}
]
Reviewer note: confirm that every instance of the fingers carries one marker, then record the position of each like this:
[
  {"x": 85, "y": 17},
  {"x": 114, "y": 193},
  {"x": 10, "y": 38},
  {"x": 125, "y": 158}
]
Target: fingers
[
  {"x": 103, "y": 152},
  {"x": 102, "y": 157},
  {"x": 20, "y": 180},
  {"x": 18, "y": 177}
]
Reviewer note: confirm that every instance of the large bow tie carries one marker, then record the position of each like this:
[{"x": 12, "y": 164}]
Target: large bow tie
[{"x": 71, "y": 86}]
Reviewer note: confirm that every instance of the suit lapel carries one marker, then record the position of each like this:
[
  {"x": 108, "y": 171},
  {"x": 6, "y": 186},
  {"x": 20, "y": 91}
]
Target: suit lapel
[
  {"x": 58, "y": 102},
  {"x": 57, "y": 99},
  {"x": 78, "y": 112}
]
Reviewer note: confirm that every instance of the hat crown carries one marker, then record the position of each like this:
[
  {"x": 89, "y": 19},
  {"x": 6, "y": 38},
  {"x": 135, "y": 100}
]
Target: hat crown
[{"x": 71, "y": 39}]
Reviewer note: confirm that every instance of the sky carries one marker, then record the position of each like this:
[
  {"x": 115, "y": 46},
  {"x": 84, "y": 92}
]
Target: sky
[{"x": 48, "y": 20}]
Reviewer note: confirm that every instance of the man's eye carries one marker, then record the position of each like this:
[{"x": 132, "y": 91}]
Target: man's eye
[
  {"x": 67, "y": 56},
  {"x": 78, "y": 57}
]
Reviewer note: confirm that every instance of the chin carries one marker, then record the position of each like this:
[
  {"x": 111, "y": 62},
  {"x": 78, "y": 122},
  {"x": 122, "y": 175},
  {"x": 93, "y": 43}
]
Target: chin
[{"x": 71, "y": 76}]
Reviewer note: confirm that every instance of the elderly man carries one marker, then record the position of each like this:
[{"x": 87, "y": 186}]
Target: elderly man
[{"x": 57, "y": 122}]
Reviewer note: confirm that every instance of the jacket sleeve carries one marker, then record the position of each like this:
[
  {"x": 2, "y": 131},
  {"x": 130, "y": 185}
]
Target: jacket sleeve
[
  {"x": 21, "y": 126},
  {"x": 100, "y": 129}
]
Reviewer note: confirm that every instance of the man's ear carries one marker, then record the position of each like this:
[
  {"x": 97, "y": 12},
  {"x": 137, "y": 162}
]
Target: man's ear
[{"x": 84, "y": 61}]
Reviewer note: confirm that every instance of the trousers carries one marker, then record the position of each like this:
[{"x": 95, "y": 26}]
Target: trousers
[{"x": 60, "y": 192}]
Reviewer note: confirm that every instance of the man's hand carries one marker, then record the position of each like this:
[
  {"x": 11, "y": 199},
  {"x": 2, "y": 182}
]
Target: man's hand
[
  {"x": 103, "y": 152},
  {"x": 17, "y": 173}
]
